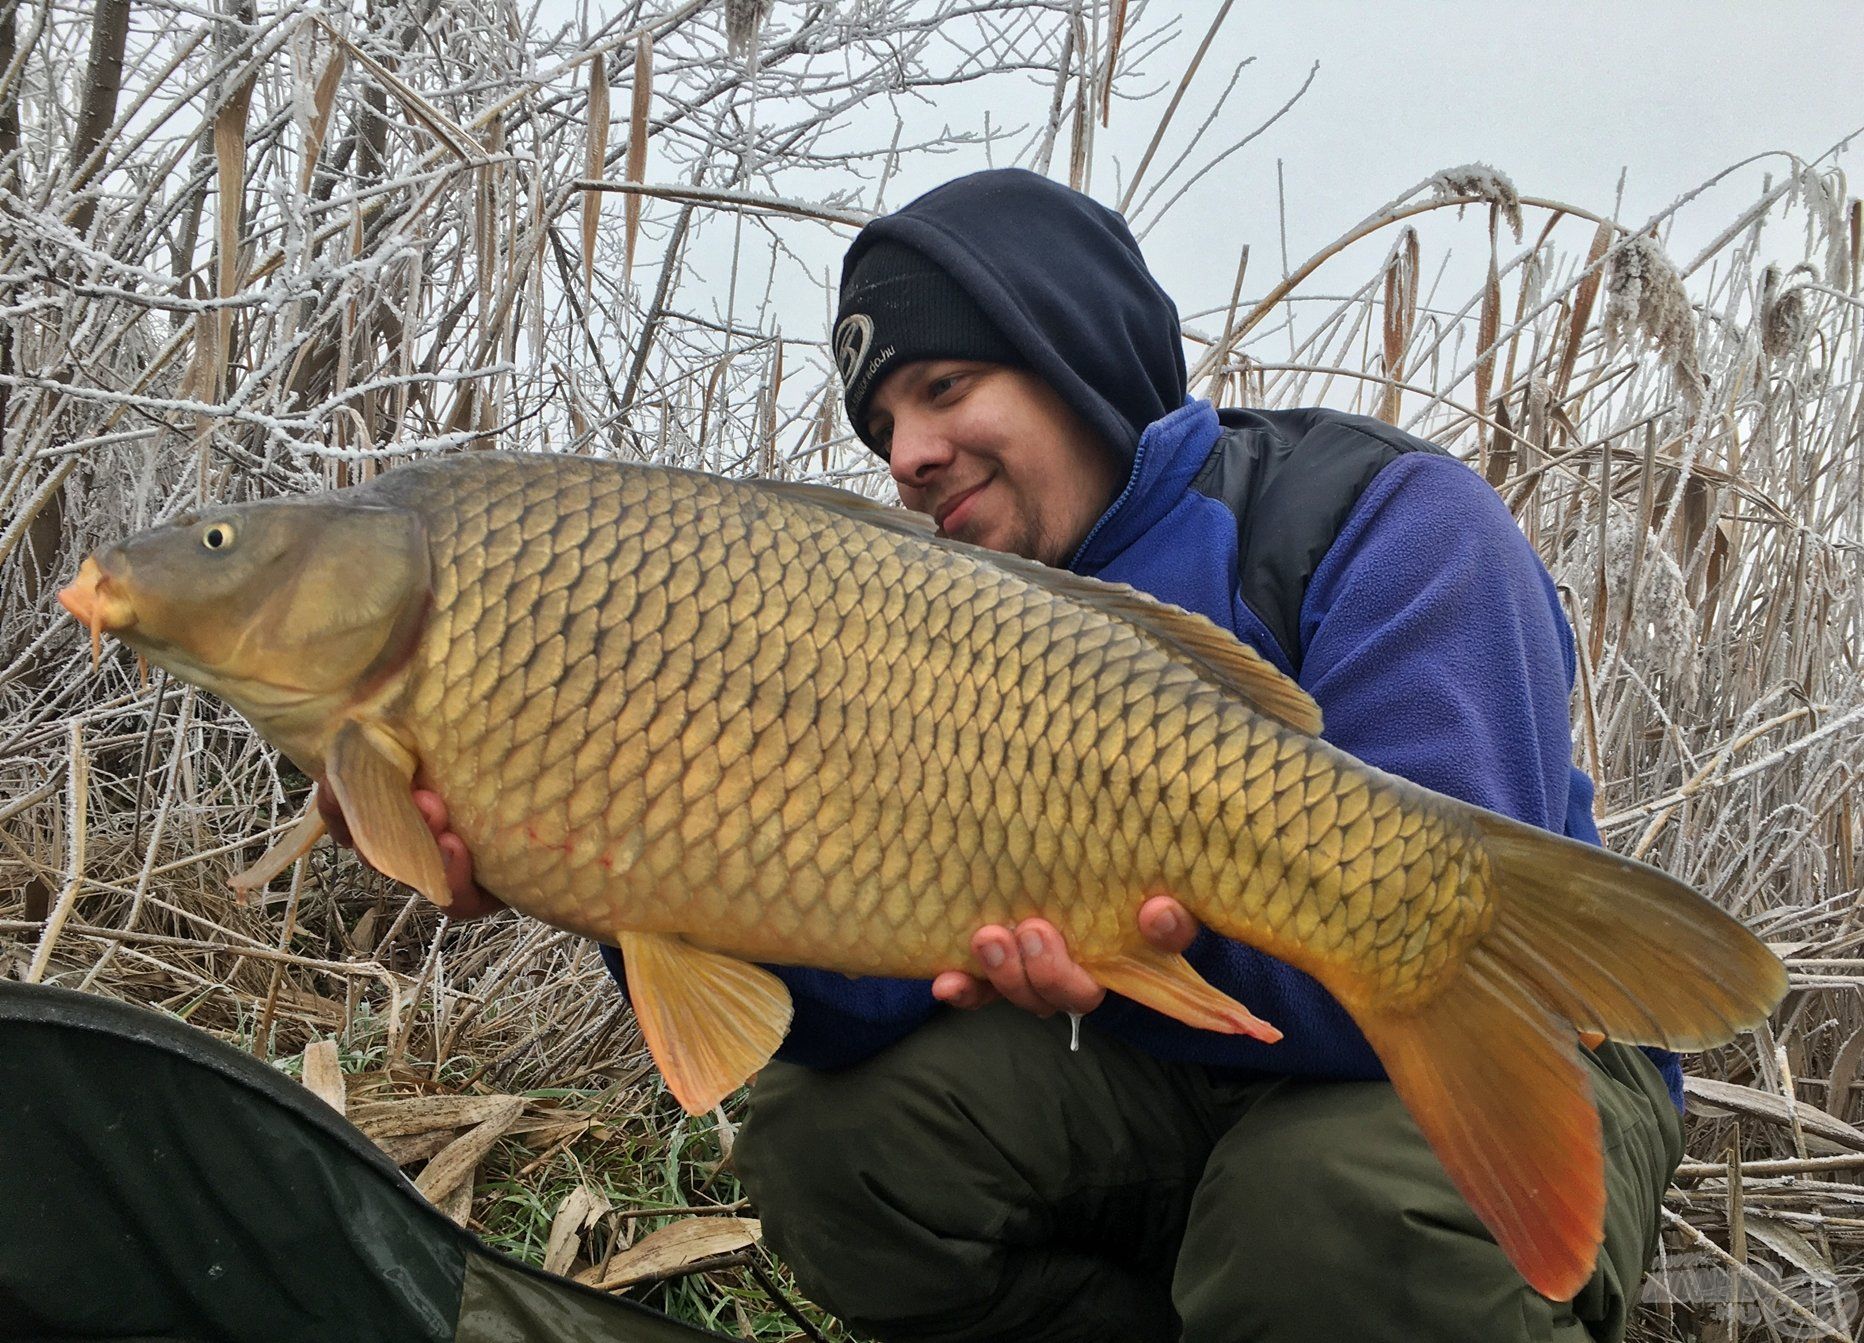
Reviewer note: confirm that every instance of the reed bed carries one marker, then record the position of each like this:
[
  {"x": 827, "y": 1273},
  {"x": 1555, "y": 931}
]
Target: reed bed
[{"x": 259, "y": 251}]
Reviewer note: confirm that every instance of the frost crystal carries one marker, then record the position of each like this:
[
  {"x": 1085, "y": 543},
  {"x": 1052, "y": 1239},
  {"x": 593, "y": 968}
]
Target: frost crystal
[
  {"x": 1825, "y": 217},
  {"x": 1644, "y": 293},
  {"x": 1478, "y": 179}
]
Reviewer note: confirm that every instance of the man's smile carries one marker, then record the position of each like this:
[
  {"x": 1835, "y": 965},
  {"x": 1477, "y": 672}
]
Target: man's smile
[{"x": 953, "y": 511}]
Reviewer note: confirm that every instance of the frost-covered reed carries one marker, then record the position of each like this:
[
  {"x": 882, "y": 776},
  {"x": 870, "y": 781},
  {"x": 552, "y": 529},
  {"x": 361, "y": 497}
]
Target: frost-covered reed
[{"x": 276, "y": 250}]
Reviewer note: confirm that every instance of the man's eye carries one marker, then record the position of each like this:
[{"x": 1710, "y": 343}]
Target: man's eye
[{"x": 938, "y": 387}]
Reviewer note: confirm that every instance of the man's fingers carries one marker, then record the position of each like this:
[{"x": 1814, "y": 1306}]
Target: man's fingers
[
  {"x": 432, "y": 809},
  {"x": 334, "y": 820},
  {"x": 954, "y": 988},
  {"x": 1052, "y": 974},
  {"x": 1167, "y": 925},
  {"x": 456, "y": 861},
  {"x": 1032, "y": 969},
  {"x": 997, "y": 951}
]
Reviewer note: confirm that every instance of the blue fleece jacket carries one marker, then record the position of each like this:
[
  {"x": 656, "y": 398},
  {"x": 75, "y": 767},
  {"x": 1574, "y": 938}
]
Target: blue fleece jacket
[{"x": 1434, "y": 643}]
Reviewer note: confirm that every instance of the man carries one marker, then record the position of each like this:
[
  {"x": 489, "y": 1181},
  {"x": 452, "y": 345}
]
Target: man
[{"x": 932, "y": 1174}]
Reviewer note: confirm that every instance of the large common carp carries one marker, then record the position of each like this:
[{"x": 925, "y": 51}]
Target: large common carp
[{"x": 714, "y": 722}]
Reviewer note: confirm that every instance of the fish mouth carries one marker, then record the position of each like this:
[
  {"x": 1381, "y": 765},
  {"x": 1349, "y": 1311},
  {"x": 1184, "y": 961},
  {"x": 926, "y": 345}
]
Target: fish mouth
[{"x": 99, "y": 602}]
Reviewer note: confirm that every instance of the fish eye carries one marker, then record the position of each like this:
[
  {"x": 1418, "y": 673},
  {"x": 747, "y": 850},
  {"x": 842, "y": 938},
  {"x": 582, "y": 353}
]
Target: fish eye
[{"x": 218, "y": 536}]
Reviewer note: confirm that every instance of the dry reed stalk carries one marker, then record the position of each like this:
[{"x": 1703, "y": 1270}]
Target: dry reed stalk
[
  {"x": 230, "y": 155},
  {"x": 1081, "y": 128},
  {"x": 1116, "y": 30},
  {"x": 323, "y": 1074},
  {"x": 594, "y": 158},
  {"x": 79, "y": 788},
  {"x": 323, "y": 103},
  {"x": 1400, "y": 318},
  {"x": 1171, "y": 108},
  {"x": 1584, "y": 297},
  {"x": 637, "y": 140},
  {"x": 103, "y": 80},
  {"x": 1487, "y": 328}
]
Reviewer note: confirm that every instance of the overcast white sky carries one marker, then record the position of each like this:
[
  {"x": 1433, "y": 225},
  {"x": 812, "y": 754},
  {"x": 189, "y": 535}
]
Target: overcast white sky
[{"x": 1560, "y": 96}]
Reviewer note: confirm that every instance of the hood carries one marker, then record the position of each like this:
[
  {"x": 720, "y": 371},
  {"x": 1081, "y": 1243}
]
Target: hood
[{"x": 1061, "y": 277}]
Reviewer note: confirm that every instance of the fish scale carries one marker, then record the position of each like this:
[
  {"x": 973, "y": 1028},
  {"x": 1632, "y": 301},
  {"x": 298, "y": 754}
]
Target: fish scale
[{"x": 718, "y": 723}]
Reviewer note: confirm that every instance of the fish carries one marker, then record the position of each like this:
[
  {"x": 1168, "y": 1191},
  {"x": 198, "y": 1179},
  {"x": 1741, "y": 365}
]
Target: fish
[{"x": 723, "y": 724}]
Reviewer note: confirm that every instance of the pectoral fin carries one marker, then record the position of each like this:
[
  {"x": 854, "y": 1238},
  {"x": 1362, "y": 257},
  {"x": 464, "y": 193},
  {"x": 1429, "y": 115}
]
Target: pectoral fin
[
  {"x": 1168, "y": 984},
  {"x": 710, "y": 1020},
  {"x": 292, "y": 845},
  {"x": 376, "y": 795}
]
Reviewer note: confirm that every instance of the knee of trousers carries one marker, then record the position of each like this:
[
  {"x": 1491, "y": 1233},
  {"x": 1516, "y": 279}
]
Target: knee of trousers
[
  {"x": 879, "y": 1199},
  {"x": 1343, "y": 1219}
]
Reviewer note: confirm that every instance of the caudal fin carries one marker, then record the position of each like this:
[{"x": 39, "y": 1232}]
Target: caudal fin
[
  {"x": 1618, "y": 947},
  {"x": 1490, "y": 1067}
]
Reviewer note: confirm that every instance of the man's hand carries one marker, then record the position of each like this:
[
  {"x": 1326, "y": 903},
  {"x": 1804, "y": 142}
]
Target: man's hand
[
  {"x": 469, "y": 901},
  {"x": 1031, "y": 966}
]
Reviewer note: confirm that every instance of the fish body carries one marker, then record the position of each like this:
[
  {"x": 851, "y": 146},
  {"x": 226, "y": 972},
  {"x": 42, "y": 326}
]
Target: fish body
[
  {"x": 699, "y": 707},
  {"x": 715, "y": 722}
]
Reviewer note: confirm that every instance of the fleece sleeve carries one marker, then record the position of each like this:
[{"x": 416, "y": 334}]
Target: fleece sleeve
[{"x": 1435, "y": 645}]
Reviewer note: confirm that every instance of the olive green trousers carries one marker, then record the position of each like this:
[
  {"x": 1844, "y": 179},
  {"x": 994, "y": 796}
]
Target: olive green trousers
[{"x": 980, "y": 1181}]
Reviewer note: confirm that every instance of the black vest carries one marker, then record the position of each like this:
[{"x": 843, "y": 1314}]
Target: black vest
[{"x": 1291, "y": 478}]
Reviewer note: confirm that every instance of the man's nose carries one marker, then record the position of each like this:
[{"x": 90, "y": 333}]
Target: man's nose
[{"x": 916, "y": 453}]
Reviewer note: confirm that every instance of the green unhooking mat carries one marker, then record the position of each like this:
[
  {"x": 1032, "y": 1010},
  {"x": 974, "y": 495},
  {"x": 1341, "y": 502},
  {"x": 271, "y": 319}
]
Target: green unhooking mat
[{"x": 156, "y": 1184}]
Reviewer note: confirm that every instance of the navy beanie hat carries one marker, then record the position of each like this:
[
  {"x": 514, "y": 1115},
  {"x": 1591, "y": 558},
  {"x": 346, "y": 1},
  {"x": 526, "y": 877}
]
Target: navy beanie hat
[
  {"x": 898, "y": 306},
  {"x": 1009, "y": 267}
]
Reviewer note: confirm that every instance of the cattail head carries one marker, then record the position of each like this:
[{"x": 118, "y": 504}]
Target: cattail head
[
  {"x": 1643, "y": 293},
  {"x": 1785, "y": 317},
  {"x": 1646, "y": 596},
  {"x": 743, "y": 19},
  {"x": 1534, "y": 277},
  {"x": 1478, "y": 179}
]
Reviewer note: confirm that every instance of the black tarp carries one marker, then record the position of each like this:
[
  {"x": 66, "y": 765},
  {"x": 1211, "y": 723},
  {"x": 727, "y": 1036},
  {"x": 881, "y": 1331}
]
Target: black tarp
[{"x": 158, "y": 1184}]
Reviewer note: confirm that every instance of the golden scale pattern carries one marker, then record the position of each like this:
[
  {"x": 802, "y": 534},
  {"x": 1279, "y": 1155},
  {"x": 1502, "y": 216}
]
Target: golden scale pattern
[{"x": 665, "y": 702}]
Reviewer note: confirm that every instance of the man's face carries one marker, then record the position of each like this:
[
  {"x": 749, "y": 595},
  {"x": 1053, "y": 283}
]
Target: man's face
[{"x": 994, "y": 456}]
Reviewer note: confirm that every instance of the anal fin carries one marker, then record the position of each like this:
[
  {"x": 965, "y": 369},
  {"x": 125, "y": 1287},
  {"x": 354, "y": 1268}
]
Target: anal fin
[
  {"x": 375, "y": 792},
  {"x": 711, "y": 1021},
  {"x": 1168, "y": 984},
  {"x": 291, "y": 846}
]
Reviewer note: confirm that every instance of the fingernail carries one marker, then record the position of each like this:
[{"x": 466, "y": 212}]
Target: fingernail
[
  {"x": 1167, "y": 923},
  {"x": 1031, "y": 944},
  {"x": 991, "y": 955}
]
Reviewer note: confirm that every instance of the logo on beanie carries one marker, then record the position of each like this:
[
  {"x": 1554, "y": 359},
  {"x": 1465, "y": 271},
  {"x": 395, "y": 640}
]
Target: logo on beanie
[{"x": 852, "y": 338}]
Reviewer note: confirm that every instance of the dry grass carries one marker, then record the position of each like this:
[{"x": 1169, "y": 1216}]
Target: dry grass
[{"x": 290, "y": 248}]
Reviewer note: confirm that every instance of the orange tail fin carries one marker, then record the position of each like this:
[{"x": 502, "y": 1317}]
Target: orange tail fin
[
  {"x": 1501, "y": 1095},
  {"x": 1490, "y": 1067}
]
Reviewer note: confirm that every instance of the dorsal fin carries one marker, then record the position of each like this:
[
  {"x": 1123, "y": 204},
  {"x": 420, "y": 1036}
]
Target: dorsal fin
[
  {"x": 1216, "y": 653},
  {"x": 857, "y": 506}
]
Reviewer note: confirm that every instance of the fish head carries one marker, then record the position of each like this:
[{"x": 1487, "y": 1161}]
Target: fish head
[{"x": 273, "y": 606}]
